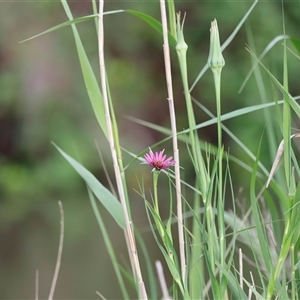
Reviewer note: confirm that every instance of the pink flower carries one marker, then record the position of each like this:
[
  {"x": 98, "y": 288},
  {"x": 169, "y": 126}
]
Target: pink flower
[{"x": 158, "y": 160}]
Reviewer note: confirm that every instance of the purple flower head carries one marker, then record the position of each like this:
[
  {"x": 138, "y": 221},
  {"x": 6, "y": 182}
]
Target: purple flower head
[{"x": 159, "y": 160}]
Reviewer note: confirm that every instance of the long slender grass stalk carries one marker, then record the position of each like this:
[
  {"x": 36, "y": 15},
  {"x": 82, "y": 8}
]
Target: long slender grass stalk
[
  {"x": 60, "y": 250},
  {"x": 168, "y": 251},
  {"x": 286, "y": 131},
  {"x": 290, "y": 238},
  {"x": 203, "y": 178},
  {"x": 199, "y": 164},
  {"x": 174, "y": 136},
  {"x": 156, "y": 206},
  {"x": 268, "y": 116},
  {"x": 282, "y": 256},
  {"x": 36, "y": 285},
  {"x": 196, "y": 266},
  {"x": 94, "y": 7},
  {"x": 172, "y": 17},
  {"x": 293, "y": 279},
  {"x": 128, "y": 229},
  {"x": 118, "y": 149},
  {"x": 162, "y": 280},
  {"x": 216, "y": 62},
  {"x": 286, "y": 117}
]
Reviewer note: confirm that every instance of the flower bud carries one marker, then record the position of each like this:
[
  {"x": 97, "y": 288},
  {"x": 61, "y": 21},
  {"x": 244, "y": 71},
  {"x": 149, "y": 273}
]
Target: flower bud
[{"x": 215, "y": 58}]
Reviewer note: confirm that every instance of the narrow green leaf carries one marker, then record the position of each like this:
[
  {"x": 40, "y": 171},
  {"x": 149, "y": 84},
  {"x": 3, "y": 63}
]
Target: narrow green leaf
[
  {"x": 294, "y": 105},
  {"x": 297, "y": 265},
  {"x": 149, "y": 265},
  {"x": 175, "y": 272},
  {"x": 108, "y": 200},
  {"x": 233, "y": 114},
  {"x": 257, "y": 218},
  {"x": 87, "y": 71},
  {"x": 234, "y": 284},
  {"x": 109, "y": 246},
  {"x": 62, "y": 25},
  {"x": 71, "y": 22},
  {"x": 146, "y": 18},
  {"x": 167, "y": 250},
  {"x": 214, "y": 283},
  {"x": 89, "y": 77},
  {"x": 196, "y": 267},
  {"x": 270, "y": 46}
]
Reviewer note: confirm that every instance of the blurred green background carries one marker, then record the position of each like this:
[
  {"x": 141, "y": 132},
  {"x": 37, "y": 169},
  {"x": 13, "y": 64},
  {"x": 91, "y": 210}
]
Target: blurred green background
[{"x": 43, "y": 99}]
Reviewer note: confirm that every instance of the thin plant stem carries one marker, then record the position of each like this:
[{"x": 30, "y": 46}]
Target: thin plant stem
[
  {"x": 217, "y": 79},
  {"x": 100, "y": 295},
  {"x": 119, "y": 152},
  {"x": 281, "y": 258},
  {"x": 162, "y": 280},
  {"x": 172, "y": 17},
  {"x": 199, "y": 164},
  {"x": 94, "y": 7},
  {"x": 220, "y": 205},
  {"x": 59, "y": 254},
  {"x": 128, "y": 229},
  {"x": 252, "y": 287},
  {"x": 211, "y": 229},
  {"x": 37, "y": 285},
  {"x": 174, "y": 138},
  {"x": 241, "y": 268},
  {"x": 155, "y": 181},
  {"x": 216, "y": 63},
  {"x": 286, "y": 117},
  {"x": 109, "y": 245},
  {"x": 286, "y": 128},
  {"x": 293, "y": 279},
  {"x": 120, "y": 160}
]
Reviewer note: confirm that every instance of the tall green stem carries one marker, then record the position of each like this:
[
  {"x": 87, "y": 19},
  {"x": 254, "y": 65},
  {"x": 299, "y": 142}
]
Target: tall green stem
[
  {"x": 286, "y": 118},
  {"x": 199, "y": 164},
  {"x": 216, "y": 63},
  {"x": 155, "y": 180}
]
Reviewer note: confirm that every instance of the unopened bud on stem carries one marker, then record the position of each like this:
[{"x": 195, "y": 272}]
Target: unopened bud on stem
[{"x": 215, "y": 59}]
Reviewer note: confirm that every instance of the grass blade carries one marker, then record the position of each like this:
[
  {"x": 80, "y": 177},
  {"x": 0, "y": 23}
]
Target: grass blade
[
  {"x": 258, "y": 221},
  {"x": 294, "y": 105},
  {"x": 89, "y": 77},
  {"x": 109, "y": 246},
  {"x": 108, "y": 200},
  {"x": 62, "y": 25}
]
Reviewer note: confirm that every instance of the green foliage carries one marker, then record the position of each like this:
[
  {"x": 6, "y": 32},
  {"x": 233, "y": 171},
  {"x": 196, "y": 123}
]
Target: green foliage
[{"x": 216, "y": 220}]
